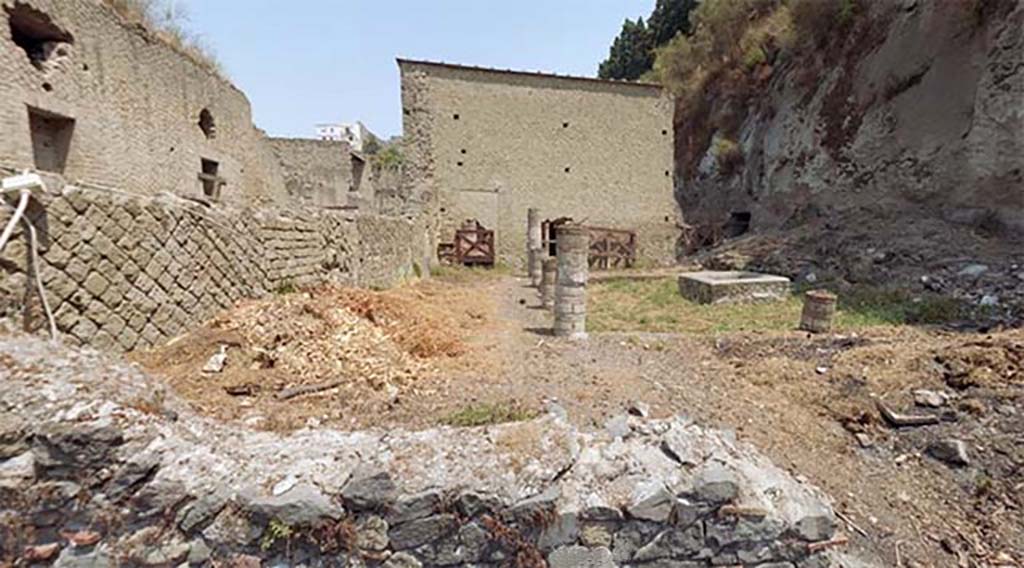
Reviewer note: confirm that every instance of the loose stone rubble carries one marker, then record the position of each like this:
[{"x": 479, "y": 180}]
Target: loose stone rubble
[{"x": 88, "y": 443}]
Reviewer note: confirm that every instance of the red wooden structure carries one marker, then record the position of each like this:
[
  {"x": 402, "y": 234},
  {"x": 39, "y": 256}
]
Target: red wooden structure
[
  {"x": 473, "y": 245},
  {"x": 609, "y": 248}
]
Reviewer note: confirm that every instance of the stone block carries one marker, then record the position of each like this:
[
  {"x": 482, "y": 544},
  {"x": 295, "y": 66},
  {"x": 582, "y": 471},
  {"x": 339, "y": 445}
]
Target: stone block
[
  {"x": 715, "y": 287},
  {"x": 67, "y": 316},
  {"x": 422, "y": 531},
  {"x": 581, "y": 557},
  {"x": 673, "y": 543},
  {"x": 84, "y": 330},
  {"x": 128, "y": 338},
  {"x": 98, "y": 312}
]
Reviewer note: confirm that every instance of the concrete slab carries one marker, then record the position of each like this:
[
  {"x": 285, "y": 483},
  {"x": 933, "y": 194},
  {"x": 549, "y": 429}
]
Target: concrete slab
[{"x": 717, "y": 287}]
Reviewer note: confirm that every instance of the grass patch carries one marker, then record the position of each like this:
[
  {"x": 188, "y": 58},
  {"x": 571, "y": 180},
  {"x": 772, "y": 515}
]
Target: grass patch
[
  {"x": 897, "y": 307},
  {"x": 483, "y": 414},
  {"x": 624, "y": 304},
  {"x": 286, "y": 287}
]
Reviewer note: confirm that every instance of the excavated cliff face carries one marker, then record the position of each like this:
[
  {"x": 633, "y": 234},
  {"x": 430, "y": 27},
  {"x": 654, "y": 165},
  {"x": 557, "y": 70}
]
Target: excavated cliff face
[{"x": 908, "y": 133}]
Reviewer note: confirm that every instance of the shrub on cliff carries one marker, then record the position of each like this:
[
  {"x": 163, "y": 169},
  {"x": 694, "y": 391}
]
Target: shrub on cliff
[
  {"x": 730, "y": 39},
  {"x": 728, "y": 155}
]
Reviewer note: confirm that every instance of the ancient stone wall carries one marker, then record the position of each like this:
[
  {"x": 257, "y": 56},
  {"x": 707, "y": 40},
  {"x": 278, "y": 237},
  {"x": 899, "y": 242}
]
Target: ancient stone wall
[
  {"x": 318, "y": 172},
  {"x": 124, "y": 272},
  {"x": 107, "y": 103},
  {"x": 490, "y": 144},
  {"x": 152, "y": 483}
]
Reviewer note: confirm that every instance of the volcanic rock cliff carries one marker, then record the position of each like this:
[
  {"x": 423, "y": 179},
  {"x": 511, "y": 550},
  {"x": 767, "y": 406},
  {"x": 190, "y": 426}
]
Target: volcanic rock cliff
[{"x": 899, "y": 144}]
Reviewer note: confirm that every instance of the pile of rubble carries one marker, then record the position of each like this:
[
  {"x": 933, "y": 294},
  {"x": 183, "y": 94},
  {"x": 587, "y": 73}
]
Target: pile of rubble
[
  {"x": 988, "y": 290},
  {"x": 100, "y": 465}
]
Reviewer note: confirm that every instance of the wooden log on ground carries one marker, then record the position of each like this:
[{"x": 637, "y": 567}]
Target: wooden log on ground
[{"x": 300, "y": 390}]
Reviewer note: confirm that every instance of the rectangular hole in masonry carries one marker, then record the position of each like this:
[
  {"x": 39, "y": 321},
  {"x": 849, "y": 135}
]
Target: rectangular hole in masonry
[
  {"x": 51, "y": 139},
  {"x": 210, "y": 180}
]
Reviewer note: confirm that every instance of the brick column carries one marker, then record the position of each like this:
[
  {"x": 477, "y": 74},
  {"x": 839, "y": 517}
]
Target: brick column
[
  {"x": 571, "y": 283},
  {"x": 548, "y": 276},
  {"x": 819, "y": 309},
  {"x": 534, "y": 254}
]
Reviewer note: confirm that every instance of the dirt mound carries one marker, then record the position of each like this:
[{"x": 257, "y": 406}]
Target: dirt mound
[
  {"x": 983, "y": 364},
  {"x": 314, "y": 336},
  {"x": 316, "y": 356},
  {"x": 418, "y": 327}
]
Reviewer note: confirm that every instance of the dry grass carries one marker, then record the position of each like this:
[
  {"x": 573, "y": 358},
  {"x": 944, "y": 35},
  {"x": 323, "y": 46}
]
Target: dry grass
[{"x": 168, "y": 20}]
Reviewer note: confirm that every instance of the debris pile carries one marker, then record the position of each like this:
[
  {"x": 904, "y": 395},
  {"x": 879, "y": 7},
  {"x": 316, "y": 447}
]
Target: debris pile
[
  {"x": 314, "y": 336},
  {"x": 316, "y": 356}
]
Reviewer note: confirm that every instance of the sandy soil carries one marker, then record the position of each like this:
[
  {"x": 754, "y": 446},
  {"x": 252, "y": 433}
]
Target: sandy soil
[{"x": 800, "y": 399}]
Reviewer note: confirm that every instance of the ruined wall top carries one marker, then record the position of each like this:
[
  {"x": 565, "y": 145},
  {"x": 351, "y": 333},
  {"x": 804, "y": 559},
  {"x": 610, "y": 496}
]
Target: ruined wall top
[{"x": 105, "y": 102}]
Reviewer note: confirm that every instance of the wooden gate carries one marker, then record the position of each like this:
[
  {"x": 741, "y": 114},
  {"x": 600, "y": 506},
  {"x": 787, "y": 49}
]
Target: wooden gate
[
  {"x": 611, "y": 248},
  {"x": 473, "y": 246}
]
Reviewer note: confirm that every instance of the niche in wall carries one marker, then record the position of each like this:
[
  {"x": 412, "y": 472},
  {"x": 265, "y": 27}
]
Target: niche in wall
[
  {"x": 738, "y": 224},
  {"x": 358, "y": 167},
  {"x": 51, "y": 139},
  {"x": 35, "y": 33},
  {"x": 210, "y": 178},
  {"x": 207, "y": 124}
]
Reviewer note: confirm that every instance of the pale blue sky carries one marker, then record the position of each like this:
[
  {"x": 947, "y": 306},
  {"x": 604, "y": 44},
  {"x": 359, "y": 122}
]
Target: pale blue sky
[{"x": 308, "y": 61}]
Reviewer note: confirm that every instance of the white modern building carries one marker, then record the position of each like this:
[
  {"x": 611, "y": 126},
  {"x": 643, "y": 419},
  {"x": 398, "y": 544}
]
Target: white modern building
[{"x": 355, "y": 134}]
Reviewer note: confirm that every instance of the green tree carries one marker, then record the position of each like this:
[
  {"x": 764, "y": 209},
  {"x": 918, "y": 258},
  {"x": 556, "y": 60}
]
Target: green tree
[
  {"x": 631, "y": 53},
  {"x": 669, "y": 18}
]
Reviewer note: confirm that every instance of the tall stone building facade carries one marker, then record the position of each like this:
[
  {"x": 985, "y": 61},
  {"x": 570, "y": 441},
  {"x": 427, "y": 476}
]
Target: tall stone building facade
[{"x": 488, "y": 144}]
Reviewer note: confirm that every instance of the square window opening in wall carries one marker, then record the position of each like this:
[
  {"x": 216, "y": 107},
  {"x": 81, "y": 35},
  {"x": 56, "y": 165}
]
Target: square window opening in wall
[
  {"x": 211, "y": 180},
  {"x": 51, "y": 139}
]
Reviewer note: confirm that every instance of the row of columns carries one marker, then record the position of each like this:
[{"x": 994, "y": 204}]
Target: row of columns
[{"x": 562, "y": 280}]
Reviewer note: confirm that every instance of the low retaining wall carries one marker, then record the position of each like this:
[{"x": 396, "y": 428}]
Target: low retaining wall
[
  {"x": 99, "y": 447},
  {"x": 125, "y": 272}
]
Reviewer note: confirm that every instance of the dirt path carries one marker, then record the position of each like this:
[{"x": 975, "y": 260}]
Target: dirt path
[{"x": 799, "y": 399}]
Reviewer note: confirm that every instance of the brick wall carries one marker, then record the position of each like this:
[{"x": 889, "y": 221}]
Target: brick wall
[
  {"x": 490, "y": 144},
  {"x": 125, "y": 272},
  {"x": 135, "y": 103},
  {"x": 318, "y": 172}
]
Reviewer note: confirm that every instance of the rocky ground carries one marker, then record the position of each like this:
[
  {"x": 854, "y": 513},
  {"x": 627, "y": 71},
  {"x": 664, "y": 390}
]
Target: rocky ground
[
  {"x": 101, "y": 465},
  {"x": 872, "y": 247},
  {"x": 946, "y": 493}
]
